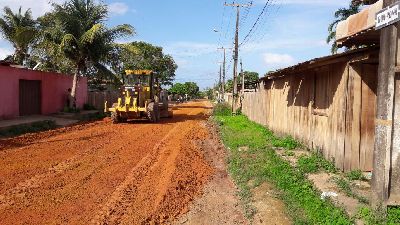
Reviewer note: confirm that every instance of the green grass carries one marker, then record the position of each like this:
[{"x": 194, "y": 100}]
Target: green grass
[
  {"x": 355, "y": 175},
  {"x": 393, "y": 215},
  {"x": 345, "y": 186},
  {"x": 379, "y": 217},
  {"x": 371, "y": 217},
  {"x": 286, "y": 142},
  {"x": 261, "y": 163},
  {"x": 28, "y": 128},
  {"x": 314, "y": 163}
]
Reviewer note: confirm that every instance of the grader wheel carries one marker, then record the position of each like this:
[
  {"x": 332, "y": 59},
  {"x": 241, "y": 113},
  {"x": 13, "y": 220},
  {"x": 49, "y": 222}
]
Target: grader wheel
[
  {"x": 153, "y": 113},
  {"x": 115, "y": 118}
]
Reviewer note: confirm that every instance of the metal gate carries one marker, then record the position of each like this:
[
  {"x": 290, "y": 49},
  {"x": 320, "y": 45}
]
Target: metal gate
[{"x": 30, "y": 96}]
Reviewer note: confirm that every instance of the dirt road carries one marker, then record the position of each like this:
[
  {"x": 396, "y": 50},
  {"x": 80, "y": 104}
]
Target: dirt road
[{"x": 100, "y": 173}]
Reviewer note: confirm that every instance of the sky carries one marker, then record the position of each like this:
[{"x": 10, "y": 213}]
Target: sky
[{"x": 288, "y": 32}]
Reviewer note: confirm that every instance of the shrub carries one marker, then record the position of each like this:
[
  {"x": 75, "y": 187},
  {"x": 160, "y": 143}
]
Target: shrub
[
  {"x": 88, "y": 107},
  {"x": 222, "y": 109}
]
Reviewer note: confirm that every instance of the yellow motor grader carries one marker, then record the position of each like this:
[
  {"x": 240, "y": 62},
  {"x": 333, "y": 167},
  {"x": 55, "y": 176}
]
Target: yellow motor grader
[{"x": 141, "y": 97}]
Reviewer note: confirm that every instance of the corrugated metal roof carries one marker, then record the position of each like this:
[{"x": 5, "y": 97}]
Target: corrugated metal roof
[{"x": 316, "y": 62}]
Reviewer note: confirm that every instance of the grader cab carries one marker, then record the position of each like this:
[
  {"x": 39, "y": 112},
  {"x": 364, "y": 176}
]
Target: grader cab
[{"x": 141, "y": 97}]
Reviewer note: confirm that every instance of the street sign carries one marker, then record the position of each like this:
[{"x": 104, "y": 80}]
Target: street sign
[{"x": 387, "y": 16}]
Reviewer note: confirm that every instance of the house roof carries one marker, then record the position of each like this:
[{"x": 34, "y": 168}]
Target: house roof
[
  {"x": 359, "y": 29},
  {"x": 353, "y": 55}
]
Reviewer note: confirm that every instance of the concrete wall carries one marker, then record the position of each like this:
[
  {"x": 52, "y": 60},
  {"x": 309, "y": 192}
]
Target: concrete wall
[{"x": 54, "y": 90}]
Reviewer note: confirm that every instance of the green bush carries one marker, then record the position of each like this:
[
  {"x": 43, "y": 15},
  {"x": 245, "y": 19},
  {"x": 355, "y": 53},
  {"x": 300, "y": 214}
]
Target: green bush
[{"x": 222, "y": 109}]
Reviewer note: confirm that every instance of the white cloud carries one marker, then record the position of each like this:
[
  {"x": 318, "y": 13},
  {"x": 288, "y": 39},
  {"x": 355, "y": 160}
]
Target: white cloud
[
  {"x": 288, "y": 43},
  {"x": 38, "y": 7},
  {"x": 118, "y": 8},
  {"x": 312, "y": 2},
  {"x": 4, "y": 52},
  {"x": 190, "y": 49},
  {"x": 276, "y": 61}
]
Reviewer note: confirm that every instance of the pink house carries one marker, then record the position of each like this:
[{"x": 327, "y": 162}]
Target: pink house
[{"x": 27, "y": 92}]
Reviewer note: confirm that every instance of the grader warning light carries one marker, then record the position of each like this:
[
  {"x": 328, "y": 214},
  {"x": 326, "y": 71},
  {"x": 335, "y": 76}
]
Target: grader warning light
[{"x": 141, "y": 98}]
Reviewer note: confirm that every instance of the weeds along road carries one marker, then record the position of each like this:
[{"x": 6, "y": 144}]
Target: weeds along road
[{"x": 102, "y": 173}]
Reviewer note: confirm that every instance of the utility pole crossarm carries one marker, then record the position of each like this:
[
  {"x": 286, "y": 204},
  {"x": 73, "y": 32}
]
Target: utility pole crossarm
[{"x": 238, "y": 5}]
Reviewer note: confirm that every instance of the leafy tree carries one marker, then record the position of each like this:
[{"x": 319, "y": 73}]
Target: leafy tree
[
  {"x": 250, "y": 79},
  {"x": 341, "y": 15},
  {"x": 20, "y": 30},
  {"x": 229, "y": 86},
  {"x": 85, "y": 40},
  {"x": 188, "y": 88},
  {"x": 192, "y": 89},
  {"x": 142, "y": 55},
  {"x": 178, "y": 89},
  {"x": 46, "y": 50}
]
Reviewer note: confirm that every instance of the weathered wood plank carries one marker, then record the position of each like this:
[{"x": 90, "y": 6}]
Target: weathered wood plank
[
  {"x": 356, "y": 121},
  {"x": 369, "y": 78}
]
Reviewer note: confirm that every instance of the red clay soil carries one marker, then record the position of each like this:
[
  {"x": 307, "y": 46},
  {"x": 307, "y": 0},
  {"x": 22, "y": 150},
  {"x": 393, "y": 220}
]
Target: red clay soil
[{"x": 101, "y": 173}]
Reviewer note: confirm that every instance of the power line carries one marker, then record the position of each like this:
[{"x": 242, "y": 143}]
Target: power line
[
  {"x": 246, "y": 13},
  {"x": 271, "y": 14},
  {"x": 256, "y": 22}
]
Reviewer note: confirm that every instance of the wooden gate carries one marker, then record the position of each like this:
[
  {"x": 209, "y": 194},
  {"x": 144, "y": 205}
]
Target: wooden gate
[{"x": 30, "y": 96}]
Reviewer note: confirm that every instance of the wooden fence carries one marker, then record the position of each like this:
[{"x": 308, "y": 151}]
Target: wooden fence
[
  {"x": 330, "y": 108},
  {"x": 98, "y": 98}
]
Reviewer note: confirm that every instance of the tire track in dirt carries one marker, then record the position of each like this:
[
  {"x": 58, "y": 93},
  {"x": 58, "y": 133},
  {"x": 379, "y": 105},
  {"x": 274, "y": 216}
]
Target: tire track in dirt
[
  {"x": 120, "y": 199},
  {"x": 21, "y": 163},
  {"x": 138, "y": 200},
  {"x": 20, "y": 190},
  {"x": 68, "y": 177},
  {"x": 71, "y": 188}
]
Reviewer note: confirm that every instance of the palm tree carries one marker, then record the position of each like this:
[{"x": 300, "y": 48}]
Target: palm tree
[
  {"x": 85, "y": 40},
  {"x": 341, "y": 15},
  {"x": 20, "y": 30}
]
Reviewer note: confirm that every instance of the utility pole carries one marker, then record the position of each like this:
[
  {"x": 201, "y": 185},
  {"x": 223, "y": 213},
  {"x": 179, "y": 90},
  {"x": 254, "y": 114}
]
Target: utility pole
[
  {"x": 241, "y": 72},
  {"x": 220, "y": 83},
  {"x": 223, "y": 70},
  {"x": 236, "y": 52},
  {"x": 385, "y": 177}
]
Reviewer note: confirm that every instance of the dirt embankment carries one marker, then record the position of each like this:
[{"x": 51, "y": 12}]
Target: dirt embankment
[{"x": 135, "y": 173}]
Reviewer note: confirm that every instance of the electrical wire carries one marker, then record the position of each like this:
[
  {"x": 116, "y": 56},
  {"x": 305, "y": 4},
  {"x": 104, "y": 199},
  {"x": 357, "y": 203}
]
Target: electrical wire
[{"x": 255, "y": 23}]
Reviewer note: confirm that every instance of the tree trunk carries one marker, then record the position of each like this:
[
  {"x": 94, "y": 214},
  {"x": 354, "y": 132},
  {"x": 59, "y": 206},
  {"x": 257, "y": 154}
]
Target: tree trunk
[{"x": 72, "y": 102}]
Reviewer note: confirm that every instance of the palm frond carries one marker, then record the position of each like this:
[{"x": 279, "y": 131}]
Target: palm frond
[
  {"x": 70, "y": 46},
  {"x": 119, "y": 31},
  {"x": 331, "y": 37},
  {"x": 89, "y": 36}
]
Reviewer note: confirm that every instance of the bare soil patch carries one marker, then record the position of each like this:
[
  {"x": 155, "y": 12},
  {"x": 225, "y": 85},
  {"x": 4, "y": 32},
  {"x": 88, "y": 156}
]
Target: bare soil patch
[
  {"x": 101, "y": 173},
  {"x": 219, "y": 203}
]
